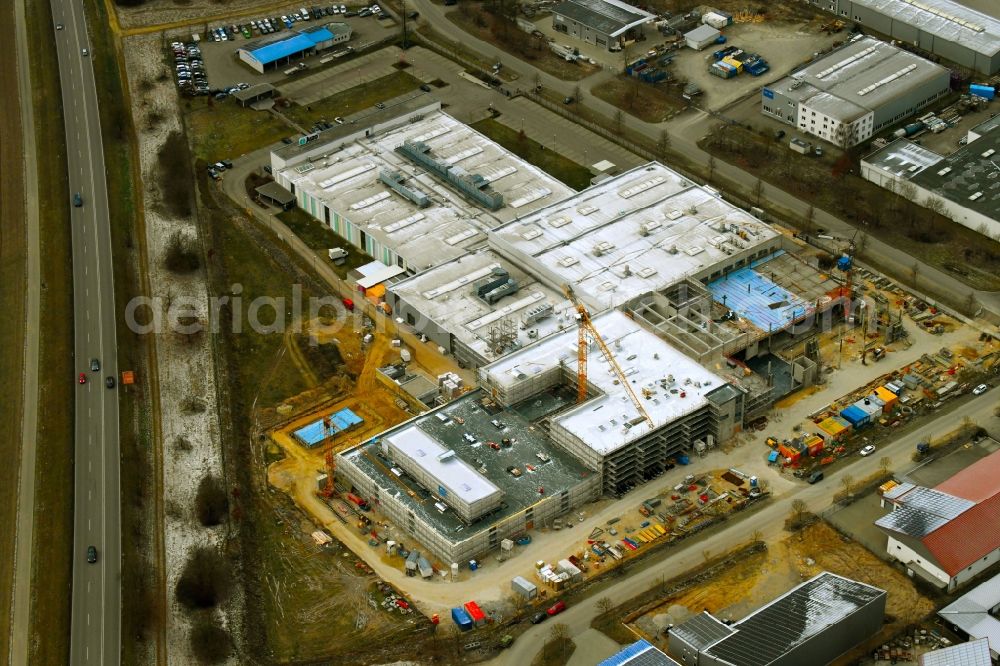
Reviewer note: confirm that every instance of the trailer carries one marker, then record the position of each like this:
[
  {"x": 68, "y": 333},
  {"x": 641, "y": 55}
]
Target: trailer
[{"x": 461, "y": 618}]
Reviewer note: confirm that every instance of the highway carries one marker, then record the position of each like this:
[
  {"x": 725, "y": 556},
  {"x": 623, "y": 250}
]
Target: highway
[
  {"x": 96, "y": 601},
  {"x": 768, "y": 521}
]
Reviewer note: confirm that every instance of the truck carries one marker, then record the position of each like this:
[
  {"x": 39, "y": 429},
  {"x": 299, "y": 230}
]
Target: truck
[
  {"x": 363, "y": 505},
  {"x": 338, "y": 255}
]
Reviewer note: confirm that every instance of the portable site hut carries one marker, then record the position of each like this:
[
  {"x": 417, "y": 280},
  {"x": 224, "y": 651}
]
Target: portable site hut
[
  {"x": 888, "y": 397},
  {"x": 524, "y": 587},
  {"x": 857, "y": 417},
  {"x": 871, "y": 406},
  {"x": 701, "y": 37},
  {"x": 574, "y": 572},
  {"x": 835, "y": 428},
  {"x": 424, "y": 567},
  {"x": 789, "y": 454},
  {"x": 461, "y": 618},
  {"x": 476, "y": 614},
  {"x": 815, "y": 446}
]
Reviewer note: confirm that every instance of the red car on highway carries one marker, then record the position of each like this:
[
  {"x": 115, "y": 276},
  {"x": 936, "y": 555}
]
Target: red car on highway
[{"x": 83, "y": 378}]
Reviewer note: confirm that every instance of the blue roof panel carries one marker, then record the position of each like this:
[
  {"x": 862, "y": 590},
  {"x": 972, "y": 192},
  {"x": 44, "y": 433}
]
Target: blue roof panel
[
  {"x": 321, "y": 35},
  {"x": 282, "y": 49}
]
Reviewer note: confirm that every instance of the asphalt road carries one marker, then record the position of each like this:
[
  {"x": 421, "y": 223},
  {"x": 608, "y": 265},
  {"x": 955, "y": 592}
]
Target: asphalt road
[
  {"x": 769, "y": 521},
  {"x": 96, "y": 604}
]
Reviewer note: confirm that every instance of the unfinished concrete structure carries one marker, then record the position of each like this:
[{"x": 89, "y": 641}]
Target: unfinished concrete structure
[{"x": 688, "y": 405}]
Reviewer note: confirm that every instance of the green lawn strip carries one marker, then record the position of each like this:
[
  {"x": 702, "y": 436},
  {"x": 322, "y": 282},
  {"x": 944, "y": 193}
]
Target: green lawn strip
[
  {"x": 52, "y": 537},
  {"x": 357, "y": 98},
  {"x": 225, "y": 130},
  {"x": 549, "y": 161}
]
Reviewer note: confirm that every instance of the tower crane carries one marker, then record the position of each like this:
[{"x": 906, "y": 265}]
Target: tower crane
[{"x": 585, "y": 328}]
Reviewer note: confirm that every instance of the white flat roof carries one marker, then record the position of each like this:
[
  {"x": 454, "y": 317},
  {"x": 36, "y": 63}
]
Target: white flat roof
[
  {"x": 452, "y": 473},
  {"x": 347, "y": 180},
  {"x": 447, "y": 295},
  {"x": 646, "y": 359},
  {"x": 640, "y": 231}
]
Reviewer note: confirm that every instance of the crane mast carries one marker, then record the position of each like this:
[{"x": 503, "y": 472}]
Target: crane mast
[{"x": 585, "y": 327}]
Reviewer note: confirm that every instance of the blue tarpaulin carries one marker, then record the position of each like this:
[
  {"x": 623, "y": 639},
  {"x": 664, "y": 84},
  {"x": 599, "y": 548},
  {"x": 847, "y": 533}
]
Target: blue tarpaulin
[
  {"x": 751, "y": 294},
  {"x": 316, "y": 432}
]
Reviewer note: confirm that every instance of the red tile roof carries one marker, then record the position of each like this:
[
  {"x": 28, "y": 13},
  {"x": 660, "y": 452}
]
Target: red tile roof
[
  {"x": 977, "y": 482},
  {"x": 967, "y": 538}
]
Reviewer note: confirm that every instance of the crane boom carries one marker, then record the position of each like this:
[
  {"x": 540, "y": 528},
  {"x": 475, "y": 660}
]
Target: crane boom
[{"x": 586, "y": 326}]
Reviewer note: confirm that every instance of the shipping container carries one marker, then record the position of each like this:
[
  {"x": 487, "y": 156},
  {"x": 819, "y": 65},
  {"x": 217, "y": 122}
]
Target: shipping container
[
  {"x": 476, "y": 614},
  {"x": 856, "y": 416},
  {"x": 986, "y": 92},
  {"x": 461, "y": 618},
  {"x": 524, "y": 587}
]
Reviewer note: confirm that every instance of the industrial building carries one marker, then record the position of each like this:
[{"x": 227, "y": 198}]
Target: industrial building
[
  {"x": 276, "y": 50},
  {"x": 410, "y": 185},
  {"x": 606, "y": 23},
  {"x": 974, "y": 614},
  {"x": 688, "y": 406},
  {"x": 459, "y": 483},
  {"x": 943, "y": 27},
  {"x": 640, "y": 231},
  {"x": 963, "y": 182},
  {"x": 813, "y": 623},
  {"x": 973, "y": 653},
  {"x": 947, "y": 535},
  {"x": 478, "y": 307},
  {"x": 640, "y": 653},
  {"x": 856, "y": 91}
]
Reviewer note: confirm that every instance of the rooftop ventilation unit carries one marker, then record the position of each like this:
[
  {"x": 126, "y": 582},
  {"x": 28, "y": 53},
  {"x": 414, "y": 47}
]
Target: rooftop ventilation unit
[
  {"x": 603, "y": 248},
  {"x": 674, "y": 214},
  {"x": 472, "y": 185},
  {"x": 646, "y": 228},
  {"x": 395, "y": 181},
  {"x": 586, "y": 209},
  {"x": 566, "y": 262},
  {"x": 496, "y": 286},
  {"x": 537, "y": 313}
]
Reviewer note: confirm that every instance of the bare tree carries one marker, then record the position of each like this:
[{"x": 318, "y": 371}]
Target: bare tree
[
  {"x": 799, "y": 508},
  {"x": 810, "y": 219},
  {"x": 935, "y": 205},
  {"x": 619, "y": 118},
  {"x": 884, "y": 463},
  {"x": 577, "y": 95},
  {"x": 558, "y": 632},
  {"x": 537, "y": 79},
  {"x": 847, "y": 482},
  {"x": 663, "y": 145},
  {"x": 756, "y": 536},
  {"x": 604, "y": 604},
  {"x": 711, "y": 167},
  {"x": 914, "y": 271},
  {"x": 758, "y": 191}
]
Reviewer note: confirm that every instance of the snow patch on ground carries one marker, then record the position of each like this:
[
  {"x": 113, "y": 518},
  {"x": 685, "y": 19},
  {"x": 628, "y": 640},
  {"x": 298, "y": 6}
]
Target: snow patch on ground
[{"x": 185, "y": 364}]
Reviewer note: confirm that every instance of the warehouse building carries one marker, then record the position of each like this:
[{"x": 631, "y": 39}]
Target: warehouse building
[
  {"x": 814, "y": 623},
  {"x": 688, "y": 406},
  {"x": 974, "y": 614},
  {"x": 963, "y": 183},
  {"x": 640, "y": 231},
  {"x": 640, "y": 653},
  {"x": 478, "y": 307},
  {"x": 279, "y": 49},
  {"x": 855, "y": 92},
  {"x": 947, "y": 535},
  {"x": 605, "y": 23},
  {"x": 408, "y": 184},
  {"x": 466, "y": 453},
  {"x": 943, "y": 27}
]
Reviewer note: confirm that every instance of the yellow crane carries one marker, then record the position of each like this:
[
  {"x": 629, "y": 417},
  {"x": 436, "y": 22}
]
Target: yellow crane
[{"x": 585, "y": 327}]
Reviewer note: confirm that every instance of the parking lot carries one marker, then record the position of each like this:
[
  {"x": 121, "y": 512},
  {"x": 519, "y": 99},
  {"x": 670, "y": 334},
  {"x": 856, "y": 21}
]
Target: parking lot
[
  {"x": 224, "y": 68},
  {"x": 785, "y": 46}
]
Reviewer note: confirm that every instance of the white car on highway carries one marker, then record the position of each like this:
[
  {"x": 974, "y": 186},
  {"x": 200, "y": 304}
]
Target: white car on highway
[{"x": 868, "y": 450}]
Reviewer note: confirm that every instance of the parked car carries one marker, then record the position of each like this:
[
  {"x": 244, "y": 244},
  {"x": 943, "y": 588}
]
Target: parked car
[
  {"x": 868, "y": 450},
  {"x": 425, "y": 87},
  {"x": 568, "y": 100},
  {"x": 557, "y": 608},
  {"x": 815, "y": 477},
  {"x": 981, "y": 389},
  {"x": 538, "y": 618}
]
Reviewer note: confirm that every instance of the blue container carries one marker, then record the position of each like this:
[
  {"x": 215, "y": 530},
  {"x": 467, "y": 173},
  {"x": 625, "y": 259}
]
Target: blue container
[
  {"x": 684, "y": 460},
  {"x": 987, "y": 92},
  {"x": 721, "y": 39},
  {"x": 461, "y": 618},
  {"x": 856, "y": 416}
]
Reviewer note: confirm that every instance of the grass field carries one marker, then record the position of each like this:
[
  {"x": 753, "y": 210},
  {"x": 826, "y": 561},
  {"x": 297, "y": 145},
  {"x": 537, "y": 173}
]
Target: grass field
[
  {"x": 12, "y": 277},
  {"x": 355, "y": 99},
  {"x": 321, "y": 238},
  {"x": 648, "y": 102},
  {"x": 551, "y": 162},
  {"x": 225, "y": 130},
  {"x": 53, "y": 511}
]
